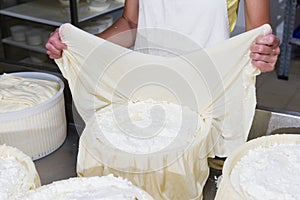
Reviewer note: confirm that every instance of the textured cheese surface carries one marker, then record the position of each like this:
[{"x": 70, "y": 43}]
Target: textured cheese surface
[
  {"x": 12, "y": 177},
  {"x": 147, "y": 126},
  {"x": 18, "y": 93},
  {"x": 269, "y": 173},
  {"x": 88, "y": 188}
]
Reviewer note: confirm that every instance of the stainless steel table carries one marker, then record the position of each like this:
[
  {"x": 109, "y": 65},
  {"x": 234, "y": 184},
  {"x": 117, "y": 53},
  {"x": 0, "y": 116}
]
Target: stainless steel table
[{"x": 60, "y": 164}]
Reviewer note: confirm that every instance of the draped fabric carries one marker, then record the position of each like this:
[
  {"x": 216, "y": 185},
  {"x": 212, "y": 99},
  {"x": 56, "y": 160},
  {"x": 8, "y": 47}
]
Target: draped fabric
[{"x": 218, "y": 83}]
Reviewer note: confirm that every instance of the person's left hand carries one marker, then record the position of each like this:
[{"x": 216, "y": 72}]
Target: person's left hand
[{"x": 264, "y": 52}]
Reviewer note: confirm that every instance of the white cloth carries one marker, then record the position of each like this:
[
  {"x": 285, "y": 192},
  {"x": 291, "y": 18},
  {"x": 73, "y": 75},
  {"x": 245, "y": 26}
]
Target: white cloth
[
  {"x": 218, "y": 83},
  {"x": 165, "y": 24}
]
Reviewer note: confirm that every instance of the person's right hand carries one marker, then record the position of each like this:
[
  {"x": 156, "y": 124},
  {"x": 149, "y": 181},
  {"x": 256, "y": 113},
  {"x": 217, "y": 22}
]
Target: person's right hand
[{"x": 54, "y": 46}]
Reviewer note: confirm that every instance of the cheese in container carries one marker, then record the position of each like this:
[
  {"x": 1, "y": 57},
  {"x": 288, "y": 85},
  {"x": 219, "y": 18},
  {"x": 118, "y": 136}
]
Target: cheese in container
[{"x": 32, "y": 112}]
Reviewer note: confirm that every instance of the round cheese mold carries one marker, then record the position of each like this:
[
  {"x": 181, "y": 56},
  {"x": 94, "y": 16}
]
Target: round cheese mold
[
  {"x": 89, "y": 188},
  {"x": 264, "y": 168},
  {"x": 35, "y": 121},
  {"x": 269, "y": 173}
]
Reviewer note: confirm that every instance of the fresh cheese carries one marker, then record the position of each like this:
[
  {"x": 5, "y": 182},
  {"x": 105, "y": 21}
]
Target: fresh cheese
[
  {"x": 146, "y": 126},
  {"x": 269, "y": 173},
  {"x": 18, "y": 93},
  {"x": 87, "y": 188},
  {"x": 12, "y": 177},
  {"x": 17, "y": 173}
]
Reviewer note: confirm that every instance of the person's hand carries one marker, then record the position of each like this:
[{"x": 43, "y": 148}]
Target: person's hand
[
  {"x": 54, "y": 46},
  {"x": 265, "y": 52}
]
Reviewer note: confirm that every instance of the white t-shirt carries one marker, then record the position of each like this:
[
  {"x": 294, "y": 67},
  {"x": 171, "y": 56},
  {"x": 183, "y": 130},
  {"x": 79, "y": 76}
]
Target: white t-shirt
[{"x": 172, "y": 25}]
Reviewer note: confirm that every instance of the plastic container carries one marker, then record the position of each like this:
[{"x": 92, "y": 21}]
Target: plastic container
[
  {"x": 98, "y": 6},
  {"x": 18, "y": 32},
  {"x": 38, "y": 130},
  {"x": 34, "y": 36},
  {"x": 226, "y": 189}
]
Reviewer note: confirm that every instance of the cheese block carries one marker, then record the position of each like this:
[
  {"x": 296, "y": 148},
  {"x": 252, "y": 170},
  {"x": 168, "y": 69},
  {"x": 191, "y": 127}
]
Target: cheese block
[
  {"x": 87, "y": 188},
  {"x": 17, "y": 172}
]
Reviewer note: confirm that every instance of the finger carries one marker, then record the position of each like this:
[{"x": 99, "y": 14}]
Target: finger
[
  {"x": 269, "y": 39},
  {"x": 264, "y": 49},
  {"x": 52, "y": 49},
  {"x": 263, "y": 57},
  {"x": 52, "y": 56},
  {"x": 263, "y": 66},
  {"x": 55, "y": 41}
]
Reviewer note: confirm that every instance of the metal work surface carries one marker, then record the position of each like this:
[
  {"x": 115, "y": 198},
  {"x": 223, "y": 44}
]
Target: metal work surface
[{"x": 61, "y": 164}]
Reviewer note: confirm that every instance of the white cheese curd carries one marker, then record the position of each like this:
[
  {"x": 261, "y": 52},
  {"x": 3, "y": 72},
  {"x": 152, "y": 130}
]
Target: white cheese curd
[
  {"x": 12, "y": 178},
  {"x": 87, "y": 188},
  {"x": 18, "y": 93},
  {"x": 269, "y": 173},
  {"x": 147, "y": 126}
]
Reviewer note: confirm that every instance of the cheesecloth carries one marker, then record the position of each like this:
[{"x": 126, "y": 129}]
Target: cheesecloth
[{"x": 218, "y": 83}]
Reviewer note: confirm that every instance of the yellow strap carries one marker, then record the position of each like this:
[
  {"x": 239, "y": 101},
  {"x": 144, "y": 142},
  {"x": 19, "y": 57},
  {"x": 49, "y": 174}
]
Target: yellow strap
[{"x": 232, "y": 9}]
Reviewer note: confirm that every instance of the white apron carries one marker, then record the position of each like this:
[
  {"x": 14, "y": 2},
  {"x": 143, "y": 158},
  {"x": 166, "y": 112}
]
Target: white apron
[{"x": 164, "y": 25}]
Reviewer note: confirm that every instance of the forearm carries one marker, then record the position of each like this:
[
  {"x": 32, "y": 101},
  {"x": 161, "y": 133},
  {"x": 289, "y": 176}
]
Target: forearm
[
  {"x": 265, "y": 48},
  {"x": 122, "y": 32},
  {"x": 257, "y": 13}
]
